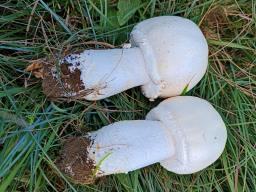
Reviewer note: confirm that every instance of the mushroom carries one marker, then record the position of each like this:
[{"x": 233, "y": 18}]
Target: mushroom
[
  {"x": 167, "y": 54},
  {"x": 184, "y": 133}
]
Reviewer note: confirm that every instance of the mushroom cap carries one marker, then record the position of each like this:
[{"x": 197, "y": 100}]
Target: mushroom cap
[
  {"x": 175, "y": 52},
  {"x": 198, "y": 131}
]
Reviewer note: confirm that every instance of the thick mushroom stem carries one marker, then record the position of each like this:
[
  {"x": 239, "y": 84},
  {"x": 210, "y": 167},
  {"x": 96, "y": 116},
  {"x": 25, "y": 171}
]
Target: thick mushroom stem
[
  {"x": 133, "y": 145},
  {"x": 103, "y": 73}
]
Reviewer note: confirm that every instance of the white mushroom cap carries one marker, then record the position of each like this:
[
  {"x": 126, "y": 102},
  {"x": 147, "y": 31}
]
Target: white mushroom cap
[
  {"x": 199, "y": 133},
  {"x": 175, "y": 52}
]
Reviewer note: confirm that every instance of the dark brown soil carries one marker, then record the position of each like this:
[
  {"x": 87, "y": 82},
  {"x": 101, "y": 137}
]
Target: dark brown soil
[
  {"x": 74, "y": 161},
  {"x": 61, "y": 84}
]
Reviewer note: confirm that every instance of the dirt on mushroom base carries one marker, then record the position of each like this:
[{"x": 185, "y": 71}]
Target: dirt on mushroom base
[
  {"x": 61, "y": 84},
  {"x": 74, "y": 161}
]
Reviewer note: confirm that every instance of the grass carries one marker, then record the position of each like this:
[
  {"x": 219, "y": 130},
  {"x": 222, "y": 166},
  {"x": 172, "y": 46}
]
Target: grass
[{"x": 32, "y": 128}]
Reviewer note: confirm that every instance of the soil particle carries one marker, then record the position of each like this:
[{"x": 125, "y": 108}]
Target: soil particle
[
  {"x": 74, "y": 161},
  {"x": 62, "y": 84}
]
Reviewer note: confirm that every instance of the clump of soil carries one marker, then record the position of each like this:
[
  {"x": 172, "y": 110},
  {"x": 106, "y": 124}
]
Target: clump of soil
[
  {"x": 61, "y": 84},
  {"x": 74, "y": 161}
]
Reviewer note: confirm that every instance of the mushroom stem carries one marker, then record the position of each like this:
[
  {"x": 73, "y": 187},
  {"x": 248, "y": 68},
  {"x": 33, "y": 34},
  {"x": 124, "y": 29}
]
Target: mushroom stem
[
  {"x": 108, "y": 72},
  {"x": 133, "y": 145}
]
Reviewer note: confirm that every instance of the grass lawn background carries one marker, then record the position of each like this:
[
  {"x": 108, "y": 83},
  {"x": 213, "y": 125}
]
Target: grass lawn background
[{"x": 32, "y": 128}]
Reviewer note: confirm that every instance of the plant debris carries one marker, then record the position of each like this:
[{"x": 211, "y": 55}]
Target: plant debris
[
  {"x": 36, "y": 68},
  {"x": 214, "y": 22}
]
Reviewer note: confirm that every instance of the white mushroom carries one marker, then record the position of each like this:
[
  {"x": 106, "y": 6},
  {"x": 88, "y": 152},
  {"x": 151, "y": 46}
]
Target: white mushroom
[
  {"x": 167, "y": 55},
  {"x": 185, "y": 134}
]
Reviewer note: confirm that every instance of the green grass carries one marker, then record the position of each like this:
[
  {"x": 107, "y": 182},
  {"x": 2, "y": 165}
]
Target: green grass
[{"x": 32, "y": 128}]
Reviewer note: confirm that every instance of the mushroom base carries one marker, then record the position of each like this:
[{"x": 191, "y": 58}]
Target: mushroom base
[
  {"x": 63, "y": 83},
  {"x": 74, "y": 161}
]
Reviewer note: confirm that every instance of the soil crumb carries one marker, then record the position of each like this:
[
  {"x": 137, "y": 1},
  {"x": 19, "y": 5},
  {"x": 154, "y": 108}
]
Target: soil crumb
[
  {"x": 65, "y": 83},
  {"x": 74, "y": 161}
]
